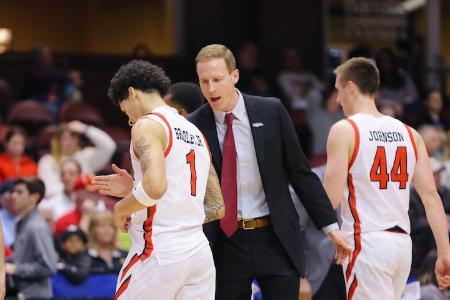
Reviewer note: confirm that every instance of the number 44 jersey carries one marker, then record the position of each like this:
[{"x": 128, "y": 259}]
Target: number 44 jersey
[
  {"x": 171, "y": 230},
  {"x": 379, "y": 175}
]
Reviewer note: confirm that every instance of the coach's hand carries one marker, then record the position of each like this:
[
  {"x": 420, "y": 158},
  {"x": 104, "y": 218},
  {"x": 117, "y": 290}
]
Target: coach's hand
[
  {"x": 442, "y": 271},
  {"x": 343, "y": 249},
  {"x": 117, "y": 185}
]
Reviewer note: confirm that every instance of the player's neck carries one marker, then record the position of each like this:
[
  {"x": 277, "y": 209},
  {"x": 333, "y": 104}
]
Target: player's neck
[
  {"x": 151, "y": 103},
  {"x": 365, "y": 105}
]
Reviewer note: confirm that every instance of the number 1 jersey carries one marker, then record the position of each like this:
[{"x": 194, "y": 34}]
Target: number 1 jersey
[
  {"x": 379, "y": 176},
  {"x": 171, "y": 230}
]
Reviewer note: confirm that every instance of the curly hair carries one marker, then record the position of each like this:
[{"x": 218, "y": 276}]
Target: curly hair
[{"x": 140, "y": 75}]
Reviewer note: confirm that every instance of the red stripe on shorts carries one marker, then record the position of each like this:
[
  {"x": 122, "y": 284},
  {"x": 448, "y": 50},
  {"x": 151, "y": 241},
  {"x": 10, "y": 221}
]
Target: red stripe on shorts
[
  {"x": 133, "y": 260},
  {"x": 122, "y": 288},
  {"x": 147, "y": 226},
  {"x": 357, "y": 226},
  {"x": 352, "y": 289}
]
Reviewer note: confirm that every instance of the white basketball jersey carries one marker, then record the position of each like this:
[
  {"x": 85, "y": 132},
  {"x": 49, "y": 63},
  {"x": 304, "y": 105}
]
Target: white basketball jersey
[
  {"x": 171, "y": 230},
  {"x": 379, "y": 177}
]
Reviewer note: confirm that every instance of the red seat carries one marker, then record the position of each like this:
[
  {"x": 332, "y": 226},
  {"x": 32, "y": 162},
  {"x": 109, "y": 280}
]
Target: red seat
[
  {"x": 120, "y": 135},
  {"x": 84, "y": 112},
  {"x": 3, "y": 130},
  {"x": 45, "y": 137},
  {"x": 29, "y": 112}
]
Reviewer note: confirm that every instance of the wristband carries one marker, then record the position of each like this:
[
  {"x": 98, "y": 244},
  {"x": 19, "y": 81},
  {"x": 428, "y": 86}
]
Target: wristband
[{"x": 141, "y": 195}]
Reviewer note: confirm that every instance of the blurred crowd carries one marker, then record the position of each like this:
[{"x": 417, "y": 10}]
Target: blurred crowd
[{"x": 54, "y": 141}]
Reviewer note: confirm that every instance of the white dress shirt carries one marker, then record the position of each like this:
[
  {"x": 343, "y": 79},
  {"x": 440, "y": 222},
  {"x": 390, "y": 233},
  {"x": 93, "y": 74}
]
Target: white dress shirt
[{"x": 251, "y": 200}]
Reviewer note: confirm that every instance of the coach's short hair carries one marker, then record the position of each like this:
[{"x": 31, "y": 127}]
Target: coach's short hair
[
  {"x": 361, "y": 71},
  {"x": 140, "y": 75},
  {"x": 217, "y": 51}
]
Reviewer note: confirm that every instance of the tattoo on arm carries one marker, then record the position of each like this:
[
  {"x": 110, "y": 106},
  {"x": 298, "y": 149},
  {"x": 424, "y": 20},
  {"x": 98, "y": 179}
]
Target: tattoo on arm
[
  {"x": 214, "y": 205},
  {"x": 142, "y": 148}
]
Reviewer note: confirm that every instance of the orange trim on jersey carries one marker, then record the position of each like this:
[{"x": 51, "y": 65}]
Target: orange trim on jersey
[
  {"x": 356, "y": 148},
  {"x": 148, "y": 230},
  {"x": 357, "y": 226},
  {"x": 411, "y": 137},
  {"x": 169, "y": 146},
  {"x": 352, "y": 288},
  {"x": 122, "y": 288},
  {"x": 133, "y": 260}
]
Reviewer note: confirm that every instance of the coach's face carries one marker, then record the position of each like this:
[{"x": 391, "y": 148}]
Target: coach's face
[{"x": 218, "y": 83}]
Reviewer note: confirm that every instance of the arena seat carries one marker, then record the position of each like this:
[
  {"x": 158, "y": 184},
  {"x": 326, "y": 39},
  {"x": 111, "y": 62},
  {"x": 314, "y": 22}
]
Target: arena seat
[
  {"x": 29, "y": 112},
  {"x": 84, "y": 112}
]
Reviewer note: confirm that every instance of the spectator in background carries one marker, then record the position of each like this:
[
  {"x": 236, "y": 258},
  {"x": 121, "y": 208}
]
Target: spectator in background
[
  {"x": 431, "y": 112},
  {"x": 321, "y": 115},
  {"x": 251, "y": 77},
  {"x": 44, "y": 81},
  {"x": 6, "y": 98},
  {"x": 433, "y": 138},
  {"x": 297, "y": 84},
  {"x": 66, "y": 144},
  {"x": 63, "y": 202},
  {"x": 421, "y": 234},
  {"x": 395, "y": 83},
  {"x": 13, "y": 162},
  {"x": 247, "y": 63},
  {"x": 103, "y": 250},
  {"x": 7, "y": 213},
  {"x": 74, "y": 262},
  {"x": 428, "y": 284},
  {"x": 185, "y": 97},
  {"x": 72, "y": 90},
  {"x": 80, "y": 216},
  {"x": 34, "y": 258}
]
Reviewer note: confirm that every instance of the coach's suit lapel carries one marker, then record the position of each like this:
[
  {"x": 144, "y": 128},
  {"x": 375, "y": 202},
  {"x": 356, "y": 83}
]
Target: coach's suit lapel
[
  {"x": 208, "y": 128},
  {"x": 257, "y": 126}
]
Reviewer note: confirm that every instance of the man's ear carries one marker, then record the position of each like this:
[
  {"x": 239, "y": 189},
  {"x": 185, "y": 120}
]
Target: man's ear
[
  {"x": 235, "y": 76},
  {"x": 182, "y": 112},
  {"x": 132, "y": 92},
  {"x": 353, "y": 88},
  {"x": 35, "y": 197}
]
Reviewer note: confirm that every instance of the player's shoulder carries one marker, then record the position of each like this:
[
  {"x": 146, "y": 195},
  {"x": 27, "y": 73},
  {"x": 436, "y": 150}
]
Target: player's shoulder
[
  {"x": 344, "y": 126},
  {"x": 147, "y": 126}
]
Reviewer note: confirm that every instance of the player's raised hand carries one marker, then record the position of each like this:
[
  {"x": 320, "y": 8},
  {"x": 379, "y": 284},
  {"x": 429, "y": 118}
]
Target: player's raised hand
[
  {"x": 343, "y": 249},
  {"x": 119, "y": 184},
  {"x": 442, "y": 271}
]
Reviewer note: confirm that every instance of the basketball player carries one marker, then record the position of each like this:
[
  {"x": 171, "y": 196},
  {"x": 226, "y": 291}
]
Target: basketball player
[
  {"x": 374, "y": 158},
  {"x": 169, "y": 257}
]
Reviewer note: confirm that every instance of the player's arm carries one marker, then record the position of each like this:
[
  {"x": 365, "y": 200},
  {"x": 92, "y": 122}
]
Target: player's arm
[
  {"x": 149, "y": 140},
  {"x": 424, "y": 183},
  {"x": 214, "y": 205},
  {"x": 339, "y": 150}
]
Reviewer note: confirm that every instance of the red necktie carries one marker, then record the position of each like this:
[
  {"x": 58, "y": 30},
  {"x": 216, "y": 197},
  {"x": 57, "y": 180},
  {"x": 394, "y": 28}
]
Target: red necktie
[{"x": 229, "y": 223}]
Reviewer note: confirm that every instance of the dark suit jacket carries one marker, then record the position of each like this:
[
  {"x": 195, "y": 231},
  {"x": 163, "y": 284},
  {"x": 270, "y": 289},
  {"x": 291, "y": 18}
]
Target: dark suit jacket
[{"x": 281, "y": 161}]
